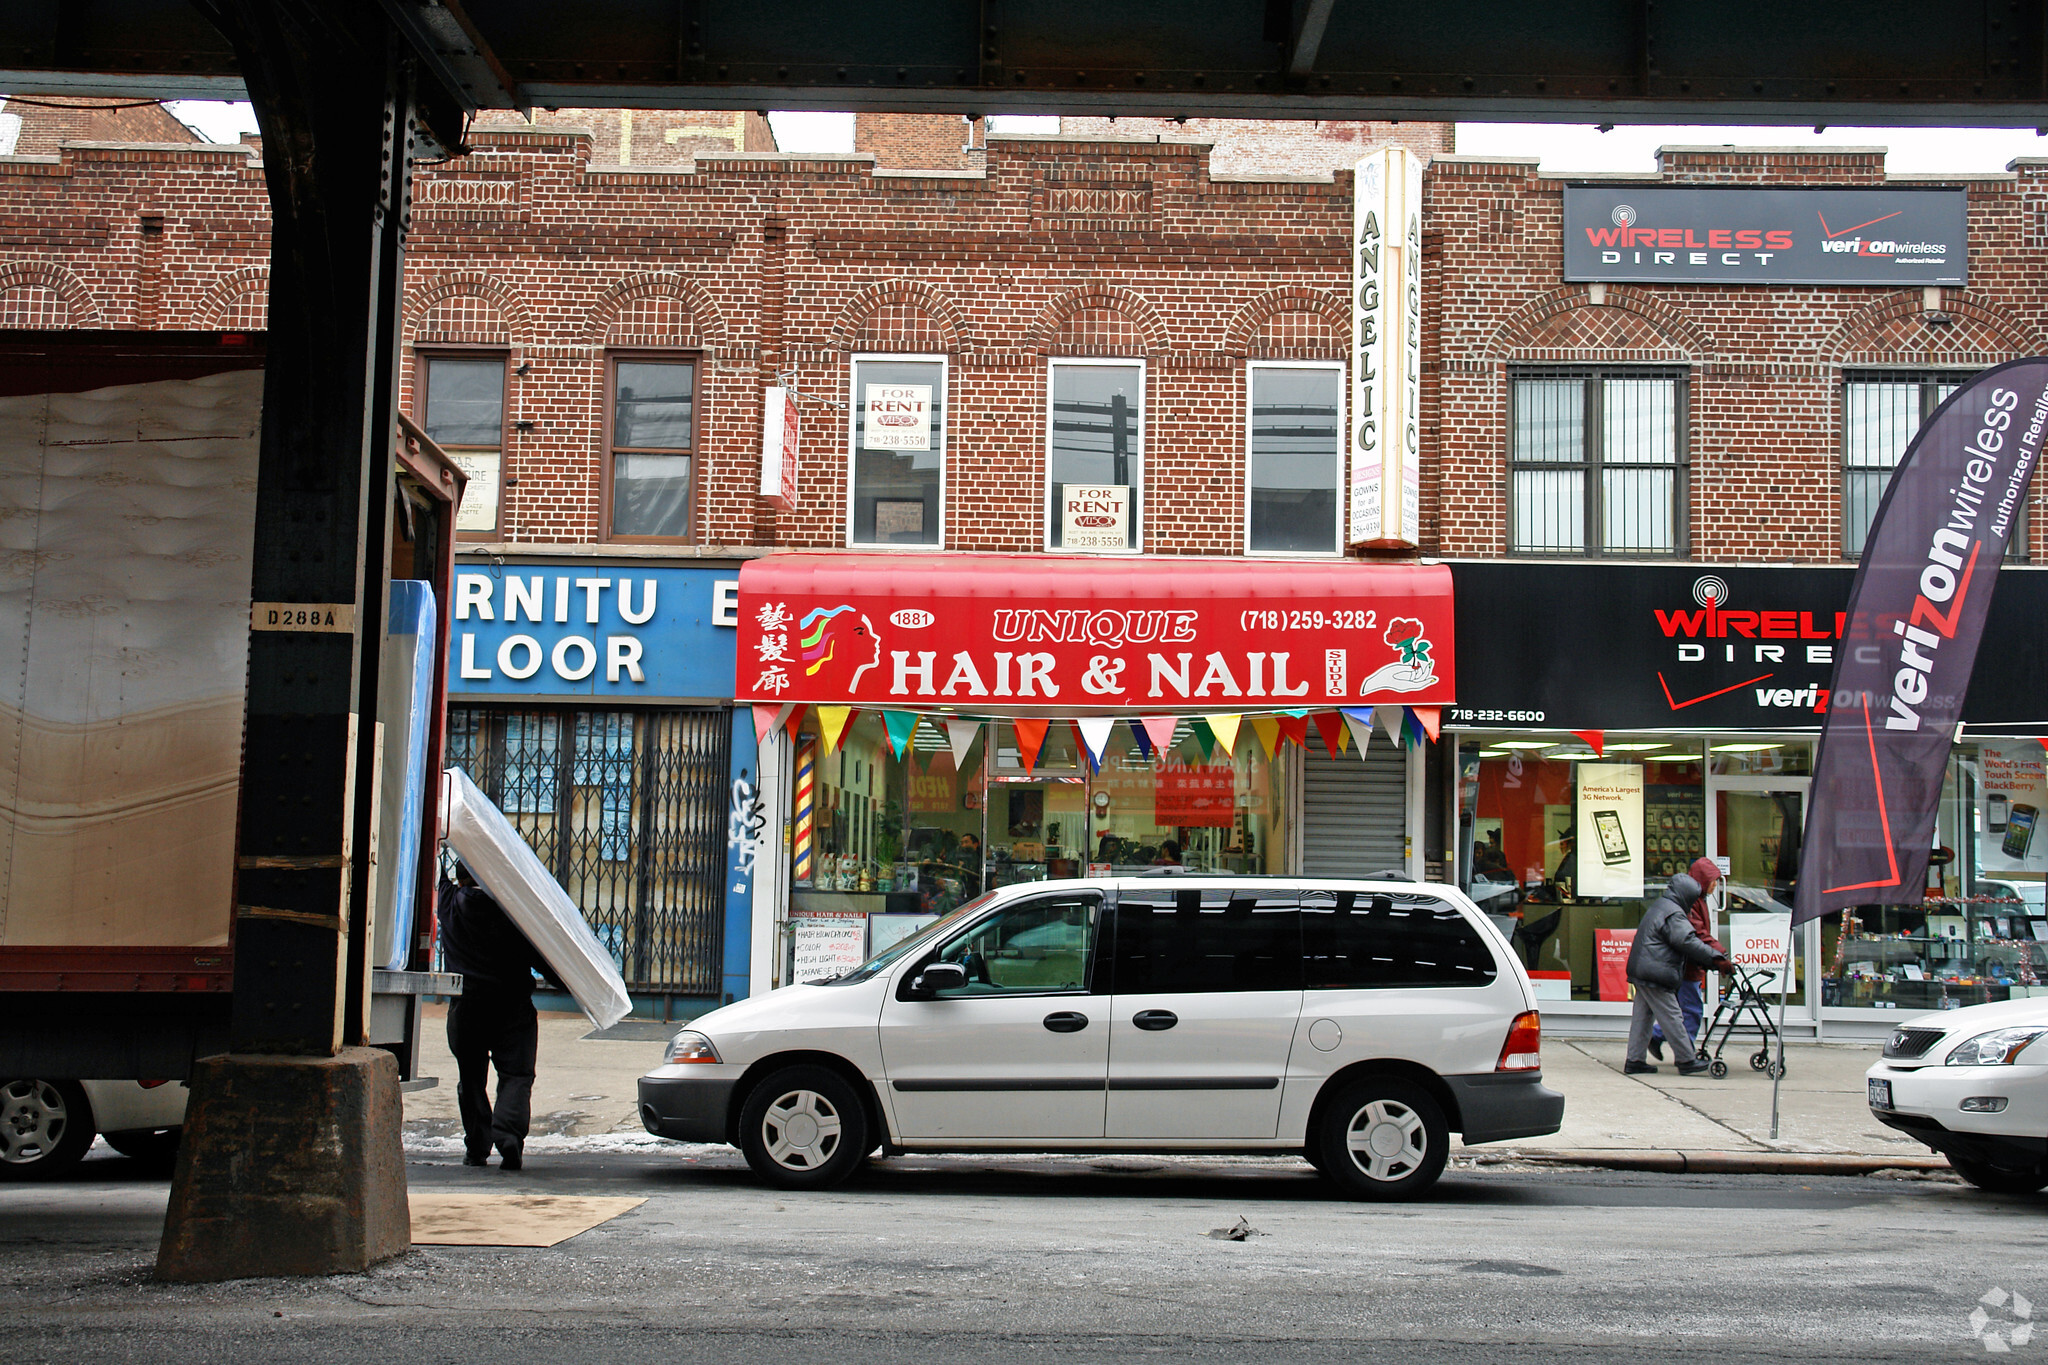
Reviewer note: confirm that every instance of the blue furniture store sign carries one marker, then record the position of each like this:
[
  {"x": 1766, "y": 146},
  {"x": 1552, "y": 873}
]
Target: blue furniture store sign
[{"x": 623, "y": 631}]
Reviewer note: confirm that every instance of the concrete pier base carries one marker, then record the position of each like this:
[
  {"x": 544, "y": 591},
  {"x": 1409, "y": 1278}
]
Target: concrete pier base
[{"x": 289, "y": 1166}]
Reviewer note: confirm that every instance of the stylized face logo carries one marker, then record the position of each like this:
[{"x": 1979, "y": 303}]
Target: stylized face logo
[{"x": 838, "y": 637}]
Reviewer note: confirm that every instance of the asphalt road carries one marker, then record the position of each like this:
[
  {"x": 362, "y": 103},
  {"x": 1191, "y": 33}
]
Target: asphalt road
[{"x": 1071, "y": 1260}]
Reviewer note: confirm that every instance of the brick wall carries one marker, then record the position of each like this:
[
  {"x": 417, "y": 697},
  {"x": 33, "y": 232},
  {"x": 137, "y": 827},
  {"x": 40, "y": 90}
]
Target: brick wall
[
  {"x": 48, "y": 120},
  {"x": 648, "y": 137},
  {"x": 1764, "y": 366},
  {"x": 1245, "y": 146},
  {"x": 542, "y": 249},
  {"x": 922, "y": 142}
]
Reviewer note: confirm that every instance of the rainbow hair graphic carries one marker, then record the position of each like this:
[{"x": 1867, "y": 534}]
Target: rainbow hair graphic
[{"x": 819, "y": 637}]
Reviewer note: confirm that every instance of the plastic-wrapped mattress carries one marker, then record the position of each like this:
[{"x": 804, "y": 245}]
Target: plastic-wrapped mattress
[{"x": 505, "y": 866}]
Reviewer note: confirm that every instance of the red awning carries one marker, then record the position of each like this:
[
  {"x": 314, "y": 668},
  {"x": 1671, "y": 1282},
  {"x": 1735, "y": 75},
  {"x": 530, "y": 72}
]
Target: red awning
[{"x": 1065, "y": 635}]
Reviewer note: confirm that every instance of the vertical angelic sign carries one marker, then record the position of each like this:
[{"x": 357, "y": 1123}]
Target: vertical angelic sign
[
  {"x": 1916, "y": 615},
  {"x": 1386, "y": 349}
]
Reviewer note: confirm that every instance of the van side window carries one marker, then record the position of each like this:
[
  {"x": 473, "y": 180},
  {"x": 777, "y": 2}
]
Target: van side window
[
  {"x": 1361, "y": 940},
  {"x": 1203, "y": 941},
  {"x": 1034, "y": 947}
]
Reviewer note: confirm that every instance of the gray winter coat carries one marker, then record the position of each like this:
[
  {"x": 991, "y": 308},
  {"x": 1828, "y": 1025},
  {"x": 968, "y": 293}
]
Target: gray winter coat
[{"x": 1666, "y": 940}]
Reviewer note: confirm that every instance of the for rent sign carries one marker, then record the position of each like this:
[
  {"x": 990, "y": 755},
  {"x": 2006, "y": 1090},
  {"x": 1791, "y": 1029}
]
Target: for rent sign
[{"x": 1666, "y": 235}]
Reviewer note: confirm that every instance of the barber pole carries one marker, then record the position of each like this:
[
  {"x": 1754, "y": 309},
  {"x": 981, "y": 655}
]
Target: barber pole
[{"x": 806, "y": 792}]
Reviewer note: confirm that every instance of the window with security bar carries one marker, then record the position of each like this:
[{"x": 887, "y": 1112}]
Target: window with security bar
[
  {"x": 1881, "y": 413},
  {"x": 1597, "y": 461},
  {"x": 627, "y": 808}
]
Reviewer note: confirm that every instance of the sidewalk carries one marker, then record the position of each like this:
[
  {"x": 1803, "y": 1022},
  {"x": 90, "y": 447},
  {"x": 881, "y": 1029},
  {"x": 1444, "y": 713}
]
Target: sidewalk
[
  {"x": 1821, "y": 1109},
  {"x": 587, "y": 1090}
]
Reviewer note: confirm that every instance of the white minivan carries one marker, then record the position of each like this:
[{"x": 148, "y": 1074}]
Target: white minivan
[{"x": 1359, "y": 1023}]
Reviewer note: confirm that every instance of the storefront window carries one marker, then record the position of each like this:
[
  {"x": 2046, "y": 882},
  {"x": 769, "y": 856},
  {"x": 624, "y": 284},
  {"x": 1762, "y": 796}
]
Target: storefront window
[
  {"x": 909, "y": 838},
  {"x": 1565, "y": 848},
  {"x": 1978, "y": 936}
]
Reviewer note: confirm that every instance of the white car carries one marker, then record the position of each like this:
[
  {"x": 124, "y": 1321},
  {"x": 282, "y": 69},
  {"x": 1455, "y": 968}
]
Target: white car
[
  {"x": 1973, "y": 1085},
  {"x": 1359, "y": 1023},
  {"x": 47, "y": 1125}
]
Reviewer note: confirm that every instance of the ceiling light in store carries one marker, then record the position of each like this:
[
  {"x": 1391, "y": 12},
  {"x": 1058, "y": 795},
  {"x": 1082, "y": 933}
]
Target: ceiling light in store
[
  {"x": 1745, "y": 748},
  {"x": 1636, "y": 748},
  {"x": 1527, "y": 744},
  {"x": 1493, "y": 753}
]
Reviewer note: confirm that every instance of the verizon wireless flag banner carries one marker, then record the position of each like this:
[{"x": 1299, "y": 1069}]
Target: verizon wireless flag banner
[
  {"x": 1916, "y": 614},
  {"x": 997, "y": 634}
]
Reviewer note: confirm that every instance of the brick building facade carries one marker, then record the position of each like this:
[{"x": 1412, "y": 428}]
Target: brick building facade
[
  {"x": 555, "y": 268},
  {"x": 536, "y": 247}
]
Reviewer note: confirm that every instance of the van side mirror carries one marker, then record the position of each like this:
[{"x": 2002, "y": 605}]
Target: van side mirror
[{"x": 936, "y": 977}]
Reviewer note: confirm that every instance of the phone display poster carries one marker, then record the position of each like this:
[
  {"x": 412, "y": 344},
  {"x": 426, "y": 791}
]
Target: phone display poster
[
  {"x": 2013, "y": 798},
  {"x": 1608, "y": 813}
]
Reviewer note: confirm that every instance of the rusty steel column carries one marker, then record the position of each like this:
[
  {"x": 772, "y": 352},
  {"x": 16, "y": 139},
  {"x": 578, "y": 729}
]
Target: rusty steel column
[{"x": 291, "y": 1162}]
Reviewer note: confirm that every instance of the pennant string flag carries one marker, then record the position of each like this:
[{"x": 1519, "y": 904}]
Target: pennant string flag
[
  {"x": 1140, "y": 738},
  {"x": 1161, "y": 728},
  {"x": 1429, "y": 718},
  {"x": 1330, "y": 725},
  {"x": 900, "y": 725},
  {"x": 1596, "y": 740},
  {"x": 1205, "y": 738},
  {"x": 795, "y": 721},
  {"x": 1030, "y": 738},
  {"x": 1267, "y": 728},
  {"x": 767, "y": 719},
  {"x": 1225, "y": 730},
  {"x": 960, "y": 738},
  {"x": 832, "y": 723},
  {"x": 1095, "y": 732},
  {"x": 1359, "y": 723},
  {"x": 1391, "y": 719},
  {"x": 1294, "y": 730}
]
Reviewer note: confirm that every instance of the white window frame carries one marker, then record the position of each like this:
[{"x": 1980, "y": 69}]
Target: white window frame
[
  {"x": 853, "y": 400},
  {"x": 1052, "y": 366},
  {"x": 1336, "y": 550}
]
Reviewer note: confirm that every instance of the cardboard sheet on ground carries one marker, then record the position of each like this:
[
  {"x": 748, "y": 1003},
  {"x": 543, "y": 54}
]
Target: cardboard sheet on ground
[
  {"x": 509, "y": 1220},
  {"x": 505, "y": 866}
]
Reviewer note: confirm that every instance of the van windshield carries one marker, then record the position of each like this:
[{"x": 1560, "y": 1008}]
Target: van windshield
[{"x": 888, "y": 957}]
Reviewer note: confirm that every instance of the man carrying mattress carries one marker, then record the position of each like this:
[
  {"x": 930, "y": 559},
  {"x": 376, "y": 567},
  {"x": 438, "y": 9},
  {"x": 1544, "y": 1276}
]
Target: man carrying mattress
[{"x": 493, "y": 1021}]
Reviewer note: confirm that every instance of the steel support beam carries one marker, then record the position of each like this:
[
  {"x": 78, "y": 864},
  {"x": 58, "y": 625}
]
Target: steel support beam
[{"x": 335, "y": 99}]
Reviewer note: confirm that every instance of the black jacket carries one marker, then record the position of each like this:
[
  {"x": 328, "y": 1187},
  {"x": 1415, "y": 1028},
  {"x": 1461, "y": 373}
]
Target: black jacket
[
  {"x": 1665, "y": 941},
  {"x": 480, "y": 941}
]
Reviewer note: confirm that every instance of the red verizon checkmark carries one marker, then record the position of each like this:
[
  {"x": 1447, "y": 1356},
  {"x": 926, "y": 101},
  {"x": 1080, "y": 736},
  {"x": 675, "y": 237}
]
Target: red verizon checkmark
[
  {"x": 1858, "y": 228},
  {"x": 1677, "y": 705}
]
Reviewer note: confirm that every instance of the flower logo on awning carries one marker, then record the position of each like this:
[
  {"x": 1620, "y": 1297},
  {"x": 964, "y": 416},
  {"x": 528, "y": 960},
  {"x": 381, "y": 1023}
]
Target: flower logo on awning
[{"x": 1404, "y": 633}]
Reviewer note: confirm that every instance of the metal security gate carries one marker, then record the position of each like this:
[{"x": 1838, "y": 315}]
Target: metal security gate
[
  {"x": 1354, "y": 814},
  {"x": 628, "y": 809}
]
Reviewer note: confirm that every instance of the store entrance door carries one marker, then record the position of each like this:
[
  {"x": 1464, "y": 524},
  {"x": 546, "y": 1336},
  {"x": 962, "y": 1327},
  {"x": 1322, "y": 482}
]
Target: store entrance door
[{"x": 1755, "y": 824}]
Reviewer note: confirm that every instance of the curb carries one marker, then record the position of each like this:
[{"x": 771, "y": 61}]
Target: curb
[{"x": 1674, "y": 1162}]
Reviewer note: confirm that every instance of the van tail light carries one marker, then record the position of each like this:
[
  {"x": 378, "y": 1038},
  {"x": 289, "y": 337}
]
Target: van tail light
[
  {"x": 1523, "y": 1051},
  {"x": 151, "y": 1085}
]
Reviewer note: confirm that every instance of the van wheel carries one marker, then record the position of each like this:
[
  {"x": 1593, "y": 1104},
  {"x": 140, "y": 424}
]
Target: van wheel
[
  {"x": 45, "y": 1128},
  {"x": 1383, "y": 1138},
  {"x": 803, "y": 1128},
  {"x": 1998, "y": 1181}
]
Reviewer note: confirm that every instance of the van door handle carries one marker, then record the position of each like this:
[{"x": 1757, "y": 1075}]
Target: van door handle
[
  {"x": 1153, "y": 1021},
  {"x": 1066, "y": 1021}
]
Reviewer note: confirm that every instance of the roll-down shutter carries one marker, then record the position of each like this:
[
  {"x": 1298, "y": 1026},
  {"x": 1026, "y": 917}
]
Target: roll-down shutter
[{"x": 1354, "y": 813}]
